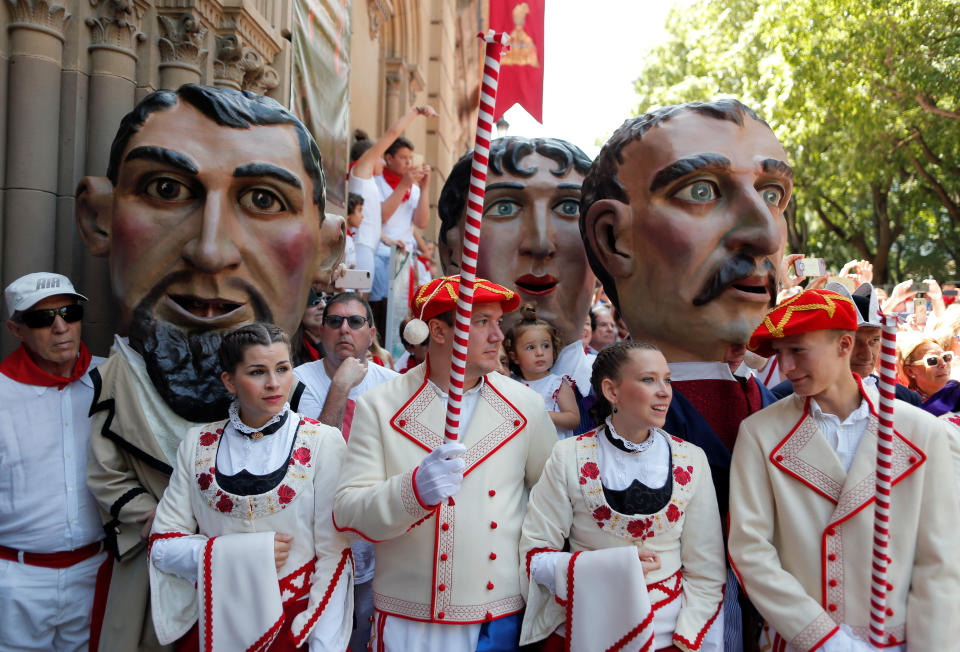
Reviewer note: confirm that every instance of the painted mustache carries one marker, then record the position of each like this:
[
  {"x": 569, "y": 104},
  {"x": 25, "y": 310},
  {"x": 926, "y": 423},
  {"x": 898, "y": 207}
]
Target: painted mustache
[{"x": 734, "y": 269}]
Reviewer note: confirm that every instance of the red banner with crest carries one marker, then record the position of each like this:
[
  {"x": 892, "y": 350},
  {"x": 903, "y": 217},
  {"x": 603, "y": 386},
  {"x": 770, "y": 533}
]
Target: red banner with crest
[{"x": 521, "y": 68}]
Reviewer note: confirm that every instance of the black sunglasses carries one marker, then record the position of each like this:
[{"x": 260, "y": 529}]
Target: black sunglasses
[
  {"x": 336, "y": 321},
  {"x": 45, "y": 318}
]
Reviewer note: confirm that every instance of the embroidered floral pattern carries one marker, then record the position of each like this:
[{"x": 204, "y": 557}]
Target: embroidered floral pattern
[
  {"x": 602, "y": 513},
  {"x": 302, "y": 455},
  {"x": 225, "y": 504},
  {"x": 209, "y": 438},
  {"x": 640, "y": 528},
  {"x": 673, "y": 513},
  {"x": 285, "y": 494},
  {"x": 298, "y": 478},
  {"x": 681, "y": 475},
  {"x": 637, "y": 527},
  {"x": 590, "y": 470}
]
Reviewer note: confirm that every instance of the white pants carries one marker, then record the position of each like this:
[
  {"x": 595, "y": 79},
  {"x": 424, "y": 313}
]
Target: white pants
[{"x": 46, "y": 608}]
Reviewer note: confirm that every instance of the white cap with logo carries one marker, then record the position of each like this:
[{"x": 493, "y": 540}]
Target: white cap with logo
[{"x": 29, "y": 290}]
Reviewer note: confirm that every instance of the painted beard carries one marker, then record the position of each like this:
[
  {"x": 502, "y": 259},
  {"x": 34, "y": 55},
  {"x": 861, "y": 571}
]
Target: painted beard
[{"x": 184, "y": 366}]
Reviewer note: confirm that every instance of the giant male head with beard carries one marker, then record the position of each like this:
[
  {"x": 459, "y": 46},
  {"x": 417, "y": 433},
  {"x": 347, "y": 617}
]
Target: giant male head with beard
[
  {"x": 682, "y": 219},
  {"x": 211, "y": 216}
]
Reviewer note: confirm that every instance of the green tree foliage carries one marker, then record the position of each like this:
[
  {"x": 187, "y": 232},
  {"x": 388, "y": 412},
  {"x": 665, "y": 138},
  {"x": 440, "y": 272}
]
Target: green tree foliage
[{"x": 865, "y": 97}]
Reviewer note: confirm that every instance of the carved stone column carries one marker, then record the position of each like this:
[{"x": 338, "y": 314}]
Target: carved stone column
[
  {"x": 115, "y": 35},
  {"x": 182, "y": 55},
  {"x": 229, "y": 68},
  {"x": 33, "y": 120},
  {"x": 394, "y": 91}
]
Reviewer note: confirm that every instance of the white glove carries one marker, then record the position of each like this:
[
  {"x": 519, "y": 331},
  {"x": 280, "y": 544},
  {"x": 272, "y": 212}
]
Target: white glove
[
  {"x": 440, "y": 473},
  {"x": 846, "y": 641},
  {"x": 543, "y": 568}
]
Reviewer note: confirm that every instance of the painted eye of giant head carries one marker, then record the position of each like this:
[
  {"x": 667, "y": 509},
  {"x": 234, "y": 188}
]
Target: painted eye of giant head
[
  {"x": 167, "y": 189},
  {"x": 698, "y": 192},
  {"x": 262, "y": 200}
]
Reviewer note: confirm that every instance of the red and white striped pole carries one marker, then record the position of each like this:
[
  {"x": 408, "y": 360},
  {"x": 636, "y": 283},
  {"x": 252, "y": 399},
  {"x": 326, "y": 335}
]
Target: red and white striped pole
[
  {"x": 471, "y": 240},
  {"x": 881, "y": 514}
]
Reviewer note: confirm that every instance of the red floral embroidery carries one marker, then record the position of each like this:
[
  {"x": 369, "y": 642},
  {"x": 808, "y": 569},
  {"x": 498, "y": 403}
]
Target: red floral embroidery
[
  {"x": 680, "y": 476},
  {"x": 590, "y": 470},
  {"x": 302, "y": 455},
  {"x": 204, "y": 480},
  {"x": 673, "y": 513},
  {"x": 676, "y": 439},
  {"x": 640, "y": 528},
  {"x": 602, "y": 513},
  {"x": 285, "y": 494},
  {"x": 583, "y": 480},
  {"x": 208, "y": 438},
  {"x": 955, "y": 419},
  {"x": 225, "y": 504}
]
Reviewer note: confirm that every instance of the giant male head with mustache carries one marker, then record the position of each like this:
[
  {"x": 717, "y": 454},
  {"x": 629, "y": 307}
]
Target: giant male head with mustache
[
  {"x": 212, "y": 216},
  {"x": 682, "y": 218}
]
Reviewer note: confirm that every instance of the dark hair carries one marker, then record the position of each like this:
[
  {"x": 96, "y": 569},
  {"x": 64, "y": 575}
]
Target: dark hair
[
  {"x": 344, "y": 297},
  {"x": 361, "y": 143},
  {"x": 236, "y": 342},
  {"x": 505, "y": 154},
  {"x": 228, "y": 108},
  {"x": 397, "y": 145},
  {"x": 528, "y": 320},
  {"x": 608, "y": 364},
  {"x": 601, "y": 181},
  {"x": 353, "y": 200}
]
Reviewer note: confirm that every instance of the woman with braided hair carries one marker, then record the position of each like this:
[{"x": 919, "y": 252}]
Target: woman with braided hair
[{"x": 639, "y": 510}]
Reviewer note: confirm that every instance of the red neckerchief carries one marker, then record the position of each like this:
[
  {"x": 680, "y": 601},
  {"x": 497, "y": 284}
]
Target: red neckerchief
[
  {"x": 394, "y": 179},
  {"x": 312, "y": 352},
  {"x": 352, "y": 232},
  {"x": 377, "y": 360},
  {"x": 411, "y": 363},
  {"x": 21, "y": 367},
  {"x": 424, "y": 260}
]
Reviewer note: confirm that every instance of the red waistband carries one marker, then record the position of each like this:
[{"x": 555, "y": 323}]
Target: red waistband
[{"x": 63, "y": 559}]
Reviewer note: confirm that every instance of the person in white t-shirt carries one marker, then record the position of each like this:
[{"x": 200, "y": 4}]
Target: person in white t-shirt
[
  {"x": 366, "y": 162},
  {"x": 333, "y": 385}
]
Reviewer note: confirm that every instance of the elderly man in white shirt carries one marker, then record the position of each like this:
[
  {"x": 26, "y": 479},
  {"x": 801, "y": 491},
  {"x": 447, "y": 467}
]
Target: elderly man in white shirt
[
  {"x": 50, "y": 530},
  {"x": 332, "y": 387}
]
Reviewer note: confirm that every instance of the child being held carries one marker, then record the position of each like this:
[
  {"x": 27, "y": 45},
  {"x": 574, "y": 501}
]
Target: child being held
[{"x": 532, "y": 345}]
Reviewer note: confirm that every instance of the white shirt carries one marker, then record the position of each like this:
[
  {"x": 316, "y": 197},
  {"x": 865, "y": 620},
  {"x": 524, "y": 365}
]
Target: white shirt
[
  {"x": 314, "y": 376},
  {"x": 573, "y": 361},
  {"x": 618, "y": 468},
  {"x": 368, "y": 235},
  {"x": 845, "y": 436},
  {"x": 349, "y": 252},
  {"x": 400, "y": 225},
  {"x": 44, "y": 436}
]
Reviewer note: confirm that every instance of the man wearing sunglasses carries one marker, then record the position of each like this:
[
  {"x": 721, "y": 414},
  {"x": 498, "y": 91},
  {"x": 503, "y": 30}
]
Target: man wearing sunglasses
[
  {"x": 333, "y": 385},
  {"x": 50, "y": 531}
]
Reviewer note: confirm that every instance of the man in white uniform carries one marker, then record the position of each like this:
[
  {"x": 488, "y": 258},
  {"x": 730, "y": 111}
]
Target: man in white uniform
[
  {"x": 802, "y": 488},
  {"x": 445, "y": 517},
  {"x": 333, "y": 385},
  {"x": 50, "y": 532}
]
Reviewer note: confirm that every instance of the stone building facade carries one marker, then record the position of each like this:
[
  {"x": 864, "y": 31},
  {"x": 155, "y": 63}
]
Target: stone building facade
[{"x": 70, "y": 70}]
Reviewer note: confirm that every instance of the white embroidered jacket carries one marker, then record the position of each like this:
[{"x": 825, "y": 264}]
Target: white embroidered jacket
[
  {"x": 801, "y": 531},
  {"x": 301, "y": 505},
  {"x": 453, "y": 563},
  {"x": 569, "y": 502}
]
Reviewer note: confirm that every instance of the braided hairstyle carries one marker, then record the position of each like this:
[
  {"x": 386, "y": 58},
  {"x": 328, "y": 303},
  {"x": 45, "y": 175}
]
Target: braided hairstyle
[
  {"x": 608, "y": 364},
  {"x": 528, "y": 320},
  {"x": 236, "y": 342}
]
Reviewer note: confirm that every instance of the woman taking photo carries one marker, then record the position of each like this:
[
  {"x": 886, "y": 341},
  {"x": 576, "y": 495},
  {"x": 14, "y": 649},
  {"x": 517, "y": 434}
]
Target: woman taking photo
[
  {"x": 243, "y": 535},
  {"x": 631, "y": 487}
]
